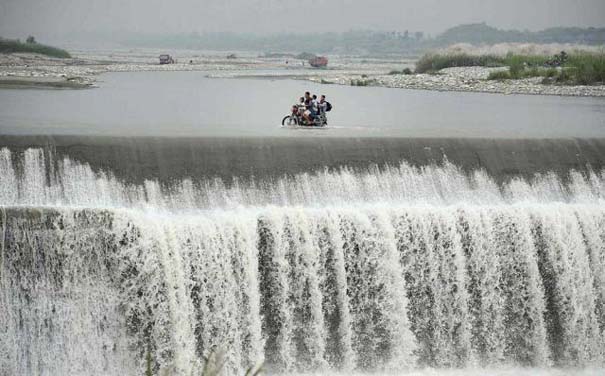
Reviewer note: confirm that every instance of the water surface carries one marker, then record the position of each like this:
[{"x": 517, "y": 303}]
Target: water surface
[{"x": 190, "y": 104}]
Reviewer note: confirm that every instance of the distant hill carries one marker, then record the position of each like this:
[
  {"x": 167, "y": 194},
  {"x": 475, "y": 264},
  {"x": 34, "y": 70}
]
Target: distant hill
[
  {"x": 351, "y": 42},
  {"x": 356, "y": 42},
  {"x": 482, "y": 33}
]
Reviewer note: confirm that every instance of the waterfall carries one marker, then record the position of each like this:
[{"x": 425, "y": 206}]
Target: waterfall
[{"x": 385, "y": 269}]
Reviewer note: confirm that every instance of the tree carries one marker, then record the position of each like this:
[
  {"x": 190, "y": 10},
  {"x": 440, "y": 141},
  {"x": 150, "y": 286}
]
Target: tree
[{"x": 30, "y": 40}]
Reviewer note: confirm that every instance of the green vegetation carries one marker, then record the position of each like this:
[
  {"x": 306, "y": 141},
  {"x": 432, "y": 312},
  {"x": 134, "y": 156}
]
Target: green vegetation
[
  {"x": 586, "y": 69},
  {"x": 499, "y": 75},
  {"x": 580, "y": 69},
  {"x": 522, "y": 73},
  {"x": 31, "y": 46},
  {"x": 435, "y": 62}
]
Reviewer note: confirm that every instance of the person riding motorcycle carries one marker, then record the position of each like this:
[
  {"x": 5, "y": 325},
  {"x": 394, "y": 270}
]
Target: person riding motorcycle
[
  {"x": 322, "y": 105},
  {"x": 308, "y": 111},
  {"x": 310, "y": 108}
]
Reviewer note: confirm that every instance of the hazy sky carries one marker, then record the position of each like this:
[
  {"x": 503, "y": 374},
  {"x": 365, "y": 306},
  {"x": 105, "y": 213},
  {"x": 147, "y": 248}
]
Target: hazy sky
[{"x": 18, "y": 18}]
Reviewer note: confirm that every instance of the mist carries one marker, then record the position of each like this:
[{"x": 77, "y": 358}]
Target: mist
[{"x": 64, "y": 18}]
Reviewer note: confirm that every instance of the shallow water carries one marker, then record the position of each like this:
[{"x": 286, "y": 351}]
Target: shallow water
[{"x": 188, "y": 103}]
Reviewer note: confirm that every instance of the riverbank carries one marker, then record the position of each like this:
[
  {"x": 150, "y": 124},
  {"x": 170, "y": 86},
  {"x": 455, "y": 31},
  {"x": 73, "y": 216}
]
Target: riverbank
[
  {"x": 88, "y": 66},
  {"x": 44, "y": 83},
  {"x": 24, "y": 70},
  {"x": 465, "y": 79}
]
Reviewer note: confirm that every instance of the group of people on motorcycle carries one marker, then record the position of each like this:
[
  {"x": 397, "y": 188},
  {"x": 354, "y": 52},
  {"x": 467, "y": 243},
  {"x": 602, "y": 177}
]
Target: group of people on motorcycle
[
  {"x": 312, "y": 109},
  {"x": 309, "y": 112}
]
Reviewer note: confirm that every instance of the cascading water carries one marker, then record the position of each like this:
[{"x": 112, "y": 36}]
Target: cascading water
[{"x": 388, "y": 268}]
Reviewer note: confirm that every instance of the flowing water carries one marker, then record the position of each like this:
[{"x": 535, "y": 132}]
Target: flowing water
[
  {"x": 308, "y": 251},
  {"x": 388, "y": 268}
]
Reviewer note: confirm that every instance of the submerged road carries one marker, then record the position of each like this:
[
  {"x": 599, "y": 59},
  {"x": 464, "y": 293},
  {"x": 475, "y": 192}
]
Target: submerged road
[{"x": 134, "y": 159}]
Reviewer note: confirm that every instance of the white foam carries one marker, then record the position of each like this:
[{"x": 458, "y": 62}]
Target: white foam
[{"x": 387, "y": 270}]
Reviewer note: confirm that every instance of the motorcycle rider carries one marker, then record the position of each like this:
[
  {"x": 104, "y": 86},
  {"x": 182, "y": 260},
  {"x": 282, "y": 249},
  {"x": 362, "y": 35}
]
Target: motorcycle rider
[
  {"x": 310, "y": 108},
  {"x": 315, "y": 106},
  {"x": 309, "y": 111},
  {"x": 322, "y": 105},
  {"x": 301, "y": 106}
]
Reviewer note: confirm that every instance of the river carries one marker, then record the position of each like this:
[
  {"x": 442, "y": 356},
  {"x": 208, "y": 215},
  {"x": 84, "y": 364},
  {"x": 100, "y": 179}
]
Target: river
[
  {"x": 189, "y": 104},
  {"x": 421, "y": 233}
]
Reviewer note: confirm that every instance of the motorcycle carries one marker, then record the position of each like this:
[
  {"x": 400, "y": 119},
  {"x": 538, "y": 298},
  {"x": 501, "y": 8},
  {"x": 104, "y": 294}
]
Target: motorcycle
[{"x": 296, "y": 118}]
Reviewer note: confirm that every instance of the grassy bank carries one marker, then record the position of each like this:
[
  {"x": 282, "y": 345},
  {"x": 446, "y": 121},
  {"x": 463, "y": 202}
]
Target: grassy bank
[
  {"x": 582, "y": 69},
  {"x": 586, "y": 69},
  {"x": 579, "y": 69},
  {"x": 11, "y": 46},
  {"x": 435, "y": 62}
]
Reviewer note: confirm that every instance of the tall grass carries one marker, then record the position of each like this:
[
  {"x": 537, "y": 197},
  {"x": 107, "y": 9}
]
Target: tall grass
[
  {"x": 587, "y": 69},
  {"x": 435, "y": 62},
  {"x": 516, "y": 73},
  {"x": 519, "y": 61},
  {"x": 10, "y": 46},
  {"x": 579, "y": 68}
]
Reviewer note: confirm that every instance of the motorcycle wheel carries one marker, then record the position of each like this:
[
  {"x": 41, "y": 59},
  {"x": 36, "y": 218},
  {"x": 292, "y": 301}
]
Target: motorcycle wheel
[{"x": 289, "y": 120}]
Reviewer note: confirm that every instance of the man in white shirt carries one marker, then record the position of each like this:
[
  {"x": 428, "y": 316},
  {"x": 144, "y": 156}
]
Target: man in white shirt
[
  {"x": 314, "y": 105},
  {"x": 322, "y": 105},
  {"x": 310, "y": 108}
]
